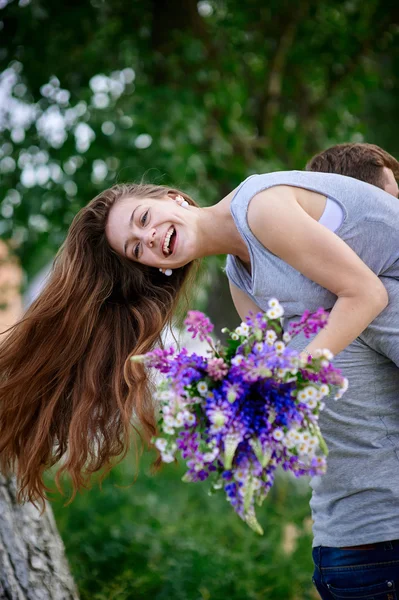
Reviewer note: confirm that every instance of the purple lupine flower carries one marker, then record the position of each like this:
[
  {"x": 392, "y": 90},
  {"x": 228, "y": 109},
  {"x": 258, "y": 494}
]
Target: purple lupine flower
[
  {"x": 309, "y": 324},
  {"x": 198, "y": 324},
  {"x": 158, "y": 358}
]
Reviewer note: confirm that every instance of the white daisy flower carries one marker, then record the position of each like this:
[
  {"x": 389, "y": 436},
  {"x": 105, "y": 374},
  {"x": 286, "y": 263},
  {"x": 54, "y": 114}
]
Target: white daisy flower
[
  {"x": 303, "y": 448},
  {"x": 237, "y": 360},
  {"x": 342, "y": 390},
  {"x": 234, "y": 336},
  {"x": 310, "y": 391},
  {"x": 287, "y": 337},
  {"x": 327, "y": 354},
  {"x": 302, "y": 395},
  {"x": 238, "y": 331},
  {"x": 190, "y": 419},
  {"x": 311, "y": 403},
  {"x": 179, "y": 420},
  {"x": 258, "y": 346},
  {"x": 280, "y": 347},
  {"x": 289, "y": 443},
  {"x": 169, "y": 420},
  {"x": 168, "y": 429},
  {"x": 295, "y": 436},
  {"x": 271, "y": 337},
  {"x": 324, "y": 389},
  {"x": 202, "y": 388},
  {"x": 240, "y": 475},
  {"x": 167, "y": 457},
  {"x": 278, "y": 434},
  {"x": 161, "y": 444},
  {"x": 244, "y": 328},
  {"x": 274, "y": 303}
]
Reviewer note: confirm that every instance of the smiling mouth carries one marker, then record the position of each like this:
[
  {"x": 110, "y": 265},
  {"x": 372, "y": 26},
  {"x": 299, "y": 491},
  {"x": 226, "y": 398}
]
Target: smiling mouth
[{"x": 169, "y": 241}]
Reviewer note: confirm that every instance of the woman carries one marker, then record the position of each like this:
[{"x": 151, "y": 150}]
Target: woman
[{"x": 116, "y": 284}]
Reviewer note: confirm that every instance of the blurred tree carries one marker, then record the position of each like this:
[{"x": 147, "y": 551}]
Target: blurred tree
[
  {"x": 32, "y": 556},
  {"x": 195, "y": 94}
]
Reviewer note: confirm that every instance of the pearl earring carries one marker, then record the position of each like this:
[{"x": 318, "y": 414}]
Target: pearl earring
[
  {"x": 167, "y": 272},
  {"x": 182, "y": 201}
]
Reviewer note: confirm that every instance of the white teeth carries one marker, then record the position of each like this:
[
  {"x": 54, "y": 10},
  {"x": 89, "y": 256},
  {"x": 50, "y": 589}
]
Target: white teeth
[{"x": 165, "y": 247}]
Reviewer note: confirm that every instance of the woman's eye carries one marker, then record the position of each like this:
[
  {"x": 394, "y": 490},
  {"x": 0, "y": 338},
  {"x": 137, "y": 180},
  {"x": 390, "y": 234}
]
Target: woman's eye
[
  {"x": 136, "y": 251},
  {"x": 144, "y": 218}
]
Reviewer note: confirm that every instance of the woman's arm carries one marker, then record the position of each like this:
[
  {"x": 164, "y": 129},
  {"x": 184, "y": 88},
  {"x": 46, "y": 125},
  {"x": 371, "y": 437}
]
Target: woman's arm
[
  {"x": 242, "y": 302},
  {"x": 283, "y": 227},
  {"x": 382, "y": 334}
]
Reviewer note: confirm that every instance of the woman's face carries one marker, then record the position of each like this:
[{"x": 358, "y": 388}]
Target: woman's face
[{"x": 155, "y": 232}]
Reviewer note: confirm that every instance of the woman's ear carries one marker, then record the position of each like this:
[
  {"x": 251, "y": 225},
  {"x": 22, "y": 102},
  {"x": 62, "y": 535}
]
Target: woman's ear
[{"x": 179, "y": 199}]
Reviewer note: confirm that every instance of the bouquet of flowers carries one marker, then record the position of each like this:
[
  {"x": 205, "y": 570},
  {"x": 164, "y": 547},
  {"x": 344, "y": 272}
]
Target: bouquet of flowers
[{"x": 249, "y": 406}]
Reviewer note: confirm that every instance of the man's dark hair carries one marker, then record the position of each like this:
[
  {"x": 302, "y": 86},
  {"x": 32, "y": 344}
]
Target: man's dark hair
[{"x": 361, "y": 161}]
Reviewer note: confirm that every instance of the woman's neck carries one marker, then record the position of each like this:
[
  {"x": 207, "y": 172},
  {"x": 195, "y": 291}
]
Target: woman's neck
[{"x": 218, "y": 231}]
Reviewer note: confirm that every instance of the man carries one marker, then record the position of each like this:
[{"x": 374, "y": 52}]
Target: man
[
  {"x": 366, "y": 162},
  {"x": 362, "y": 567}
]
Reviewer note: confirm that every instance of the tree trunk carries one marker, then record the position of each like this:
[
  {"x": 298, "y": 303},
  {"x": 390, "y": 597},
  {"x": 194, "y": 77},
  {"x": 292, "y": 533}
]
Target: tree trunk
[{"x": 32, "y": 560}]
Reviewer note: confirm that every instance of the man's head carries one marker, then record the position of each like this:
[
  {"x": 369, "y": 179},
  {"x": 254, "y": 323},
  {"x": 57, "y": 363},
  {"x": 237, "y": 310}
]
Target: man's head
[{"x": 366, "y": 162}]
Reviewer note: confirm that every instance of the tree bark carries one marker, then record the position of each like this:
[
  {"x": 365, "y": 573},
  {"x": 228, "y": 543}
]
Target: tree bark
[{"x": 32, "y": 560}]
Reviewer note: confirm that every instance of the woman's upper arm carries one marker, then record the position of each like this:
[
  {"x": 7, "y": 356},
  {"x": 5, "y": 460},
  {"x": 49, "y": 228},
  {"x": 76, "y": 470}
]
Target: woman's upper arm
[
  {"x": 242, "y": 302},
  {"x": 283, "y": 227}
]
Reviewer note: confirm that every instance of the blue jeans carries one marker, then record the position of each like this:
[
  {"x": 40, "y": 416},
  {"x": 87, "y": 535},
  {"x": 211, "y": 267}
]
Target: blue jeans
[{"x": 365, "y": 574}]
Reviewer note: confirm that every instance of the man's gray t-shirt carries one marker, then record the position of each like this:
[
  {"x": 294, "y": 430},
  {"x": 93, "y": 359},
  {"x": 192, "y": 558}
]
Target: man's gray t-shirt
[{"x": 357, "y": 501}]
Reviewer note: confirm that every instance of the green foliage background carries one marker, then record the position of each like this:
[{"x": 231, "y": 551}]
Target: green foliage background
[
  {"x": 197, "y": 95},
  {"x": 161, "y": 539},
  {"x": 223, "y": 88}
]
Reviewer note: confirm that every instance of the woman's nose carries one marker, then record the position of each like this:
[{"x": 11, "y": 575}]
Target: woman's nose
[{"x": 150, "y": 237}]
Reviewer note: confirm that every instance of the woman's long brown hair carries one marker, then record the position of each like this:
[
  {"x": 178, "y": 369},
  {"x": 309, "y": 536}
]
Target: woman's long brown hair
[{"x": 67, "y": 386}]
